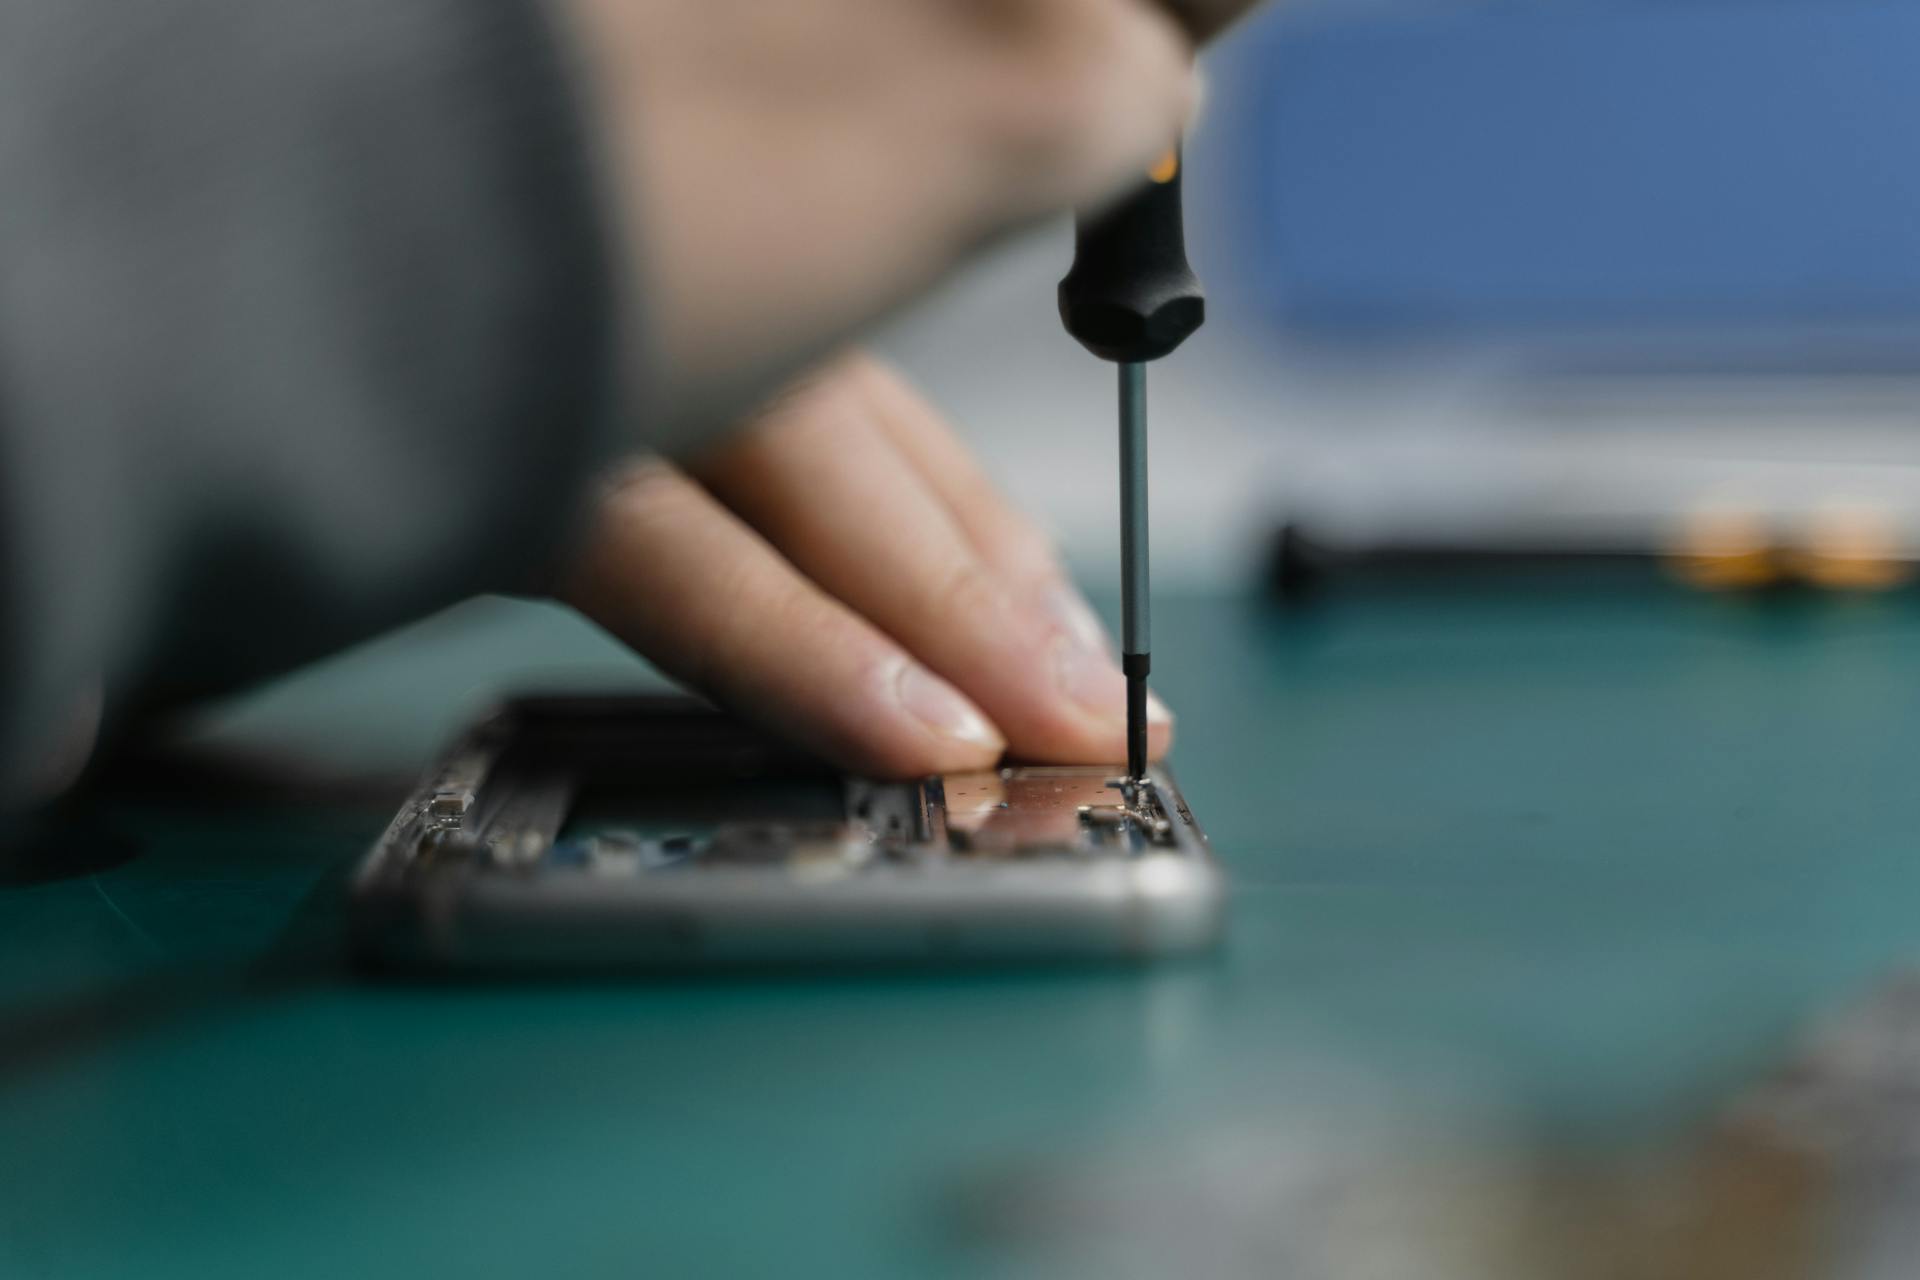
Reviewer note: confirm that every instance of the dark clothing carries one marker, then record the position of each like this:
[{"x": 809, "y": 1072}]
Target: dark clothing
[{"x": 307, "y": 326}]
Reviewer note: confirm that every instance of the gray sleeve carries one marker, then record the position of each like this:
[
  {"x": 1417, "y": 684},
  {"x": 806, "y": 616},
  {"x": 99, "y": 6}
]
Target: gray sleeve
[{"x": 306, "y": 327}]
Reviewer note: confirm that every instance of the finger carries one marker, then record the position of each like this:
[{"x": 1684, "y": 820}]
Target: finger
[
  {"x": 1010, "y": 542},
  {"x": 674, "y": 575},
  {"x": 821, "y": 479},
  {"x": 1004, "y": 536}
]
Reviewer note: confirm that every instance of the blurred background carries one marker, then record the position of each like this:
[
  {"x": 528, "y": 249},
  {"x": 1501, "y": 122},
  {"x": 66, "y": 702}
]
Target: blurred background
[
  {"x": 1537, "y": 891},
  {"x": 1491, "y": 283},
  {"x": 1499, "y": 278}
]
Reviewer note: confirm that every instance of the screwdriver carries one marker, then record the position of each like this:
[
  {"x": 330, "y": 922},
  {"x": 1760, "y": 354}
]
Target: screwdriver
[{"x": 1130, "y": 297}]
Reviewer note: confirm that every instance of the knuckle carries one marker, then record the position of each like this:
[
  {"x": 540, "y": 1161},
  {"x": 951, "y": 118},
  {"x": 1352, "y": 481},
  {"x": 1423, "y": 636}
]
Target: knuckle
[
  {"x": 966, "y": 590},
  {"x": 747, "y": 607},
  {"x": 1029, "y": 545},
  {"x": 640, "y": 482}
]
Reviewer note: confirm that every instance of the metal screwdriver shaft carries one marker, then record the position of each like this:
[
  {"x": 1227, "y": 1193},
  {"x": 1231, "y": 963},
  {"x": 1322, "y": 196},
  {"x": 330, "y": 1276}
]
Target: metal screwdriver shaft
[
  {"x": 1131, "y": 298},
  {"x": 1136, "y": 633}
]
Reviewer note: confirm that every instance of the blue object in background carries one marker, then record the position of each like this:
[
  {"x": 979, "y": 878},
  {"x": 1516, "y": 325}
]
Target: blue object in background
[{"x": 1497, "y": 169}]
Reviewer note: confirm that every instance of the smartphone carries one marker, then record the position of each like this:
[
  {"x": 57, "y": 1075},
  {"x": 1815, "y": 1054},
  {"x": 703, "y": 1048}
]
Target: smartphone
[{"x": 610, "y": 833}]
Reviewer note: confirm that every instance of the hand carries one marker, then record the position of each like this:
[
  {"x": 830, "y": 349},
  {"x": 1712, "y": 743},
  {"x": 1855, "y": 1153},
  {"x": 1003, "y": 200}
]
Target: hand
[
  {"x": 842, "y": 571},
  {"x": 790, "y": 168}
]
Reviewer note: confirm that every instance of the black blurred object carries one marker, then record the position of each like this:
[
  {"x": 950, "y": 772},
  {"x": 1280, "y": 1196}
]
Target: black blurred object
[
  {"x": 1205, "y": 19},
  {"x": 61, "y": 842},
  {"x": 1131, "y": 295},
  {"x": 1300, "y": 566}
]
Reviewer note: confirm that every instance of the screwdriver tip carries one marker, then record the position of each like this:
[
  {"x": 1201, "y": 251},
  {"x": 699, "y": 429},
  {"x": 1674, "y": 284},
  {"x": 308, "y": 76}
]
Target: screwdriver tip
[{"x": 1137, "y": 722}]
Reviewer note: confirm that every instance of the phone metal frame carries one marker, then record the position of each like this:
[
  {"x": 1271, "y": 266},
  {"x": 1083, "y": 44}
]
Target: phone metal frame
[{"x": 457, "y": 882}]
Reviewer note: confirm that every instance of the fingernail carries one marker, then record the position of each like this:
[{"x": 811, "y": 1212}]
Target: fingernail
[
  {"x": 1157, "y": 712},
  {"x": 940, "y": 706},
  {"x": 1089, "y": 678},
  {"x": 1070, "y": 609}
]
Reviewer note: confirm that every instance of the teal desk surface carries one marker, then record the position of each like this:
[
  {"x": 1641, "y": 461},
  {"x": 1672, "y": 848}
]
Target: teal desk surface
[{"x": 1587, "y": 853}]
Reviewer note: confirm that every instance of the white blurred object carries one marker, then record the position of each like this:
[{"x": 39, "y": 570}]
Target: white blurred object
[{"x": 1471, "y": 449}]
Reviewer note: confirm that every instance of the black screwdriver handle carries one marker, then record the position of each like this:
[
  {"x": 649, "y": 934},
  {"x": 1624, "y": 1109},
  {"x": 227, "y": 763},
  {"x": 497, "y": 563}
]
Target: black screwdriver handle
[{"x": 1130, "y": 295}]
